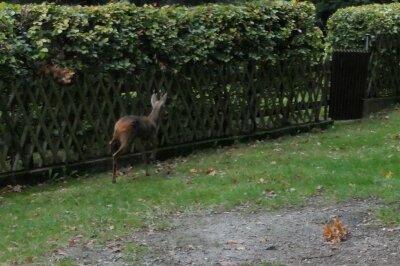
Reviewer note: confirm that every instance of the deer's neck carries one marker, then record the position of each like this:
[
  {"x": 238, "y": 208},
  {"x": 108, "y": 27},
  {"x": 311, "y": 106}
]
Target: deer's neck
[{"x": 154, "y": 115}]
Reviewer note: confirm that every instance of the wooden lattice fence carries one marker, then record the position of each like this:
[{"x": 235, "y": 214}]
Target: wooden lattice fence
[{"x": 44, "y": 124}]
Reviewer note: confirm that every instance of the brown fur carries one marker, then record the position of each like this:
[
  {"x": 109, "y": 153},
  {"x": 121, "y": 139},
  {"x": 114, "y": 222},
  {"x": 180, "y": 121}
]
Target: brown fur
[{"x": 141, "y": 128}]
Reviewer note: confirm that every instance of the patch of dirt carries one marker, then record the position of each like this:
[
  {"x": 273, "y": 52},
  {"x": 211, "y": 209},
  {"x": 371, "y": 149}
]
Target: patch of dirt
[{"x": 289, "y": 237}]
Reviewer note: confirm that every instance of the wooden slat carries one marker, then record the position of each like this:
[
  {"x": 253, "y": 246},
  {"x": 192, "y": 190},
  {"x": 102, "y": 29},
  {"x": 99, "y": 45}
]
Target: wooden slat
[{"x": 55, "y": 124}]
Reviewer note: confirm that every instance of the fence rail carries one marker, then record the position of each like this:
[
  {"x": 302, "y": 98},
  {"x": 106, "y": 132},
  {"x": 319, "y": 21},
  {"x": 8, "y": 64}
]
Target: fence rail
[{"x": 43, "y": 124}]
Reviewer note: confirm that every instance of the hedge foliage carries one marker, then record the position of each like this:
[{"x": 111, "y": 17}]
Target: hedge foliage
[
  {"x": 325, "y": 8},
  {"x": 125, "y": 37},
  {"x": 347, "y": 27}
]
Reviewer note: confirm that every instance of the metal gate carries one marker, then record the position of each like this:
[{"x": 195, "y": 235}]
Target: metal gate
[{"x": 348, "y": 84}]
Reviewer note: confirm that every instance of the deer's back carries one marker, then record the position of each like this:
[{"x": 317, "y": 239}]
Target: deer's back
[{"x": 139, "y": 126}]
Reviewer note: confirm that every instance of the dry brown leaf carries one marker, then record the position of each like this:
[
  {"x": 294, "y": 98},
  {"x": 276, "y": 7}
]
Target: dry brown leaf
[
  {"x": 71, "y": 242},
  {"x": 193, "y": 171},
  {"x": 117, "y": 249},
  {"x": 240, "y": 247},
  {"x": 61, "y": 74},
  {"x": 227, "y": 263},
  {"x": 387, "y": 174},
  {"x": 59, "y": 252},
  {"x": 269, "y": 193},
  {"x": 17, "y": 188},
  {"x": 261, "y": 181},
  {"x": 29, "y": 260},
  {"x": 335, "y": 231},
  {"x": 10, "y": 188},
  {"x": 211, "y": 172}
]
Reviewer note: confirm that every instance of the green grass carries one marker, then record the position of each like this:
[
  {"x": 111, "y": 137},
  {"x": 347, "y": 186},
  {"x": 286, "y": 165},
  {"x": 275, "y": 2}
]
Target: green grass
[{"x": 350, "y": 160}]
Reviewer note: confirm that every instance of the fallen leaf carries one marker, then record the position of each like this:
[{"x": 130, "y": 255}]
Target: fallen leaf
[
  {"x": 116, "y": 249},
  {"x": 71, "y": 242},
  {"x": 388, "y": 174},
  {"x": 193, "y": 171},
  {"x": 269, "y": 193},
  {"x": 335, "y": 231},
  {"x": 240, "y": 247},
  {"x": 298, "y": 177},
  {"x": 263, "y": 240},
  {"x": 59, "y": 252},
  {"x": 232, "y": 242},
  {"x": 227, "y": 263},
  {"x": 211, "y": 172},
  {"x": 10, "y": 188},
  {"x": 261, "y": 181},
  {"x": 55, "y": 251},
  {"x": 89, "y": 244},
  {"x": 17, "y": 188},
  {"x": 29, "y": 260},
  {"x": 392, "y": 229},
  {"x": 234, "y": 180}
]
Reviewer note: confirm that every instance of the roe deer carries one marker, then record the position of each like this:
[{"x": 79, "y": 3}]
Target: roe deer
[{"x": 142, "y": 129}]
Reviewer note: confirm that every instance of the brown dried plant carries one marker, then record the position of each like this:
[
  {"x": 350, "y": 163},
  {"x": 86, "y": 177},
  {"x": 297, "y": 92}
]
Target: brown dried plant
[
  {"x": 61, "y": 74},
  {"x": 335, "y": 231}
]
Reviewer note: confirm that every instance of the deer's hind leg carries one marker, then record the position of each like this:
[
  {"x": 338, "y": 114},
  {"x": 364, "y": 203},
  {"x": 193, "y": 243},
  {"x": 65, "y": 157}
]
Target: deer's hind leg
[{"x": 124, "y": 144}]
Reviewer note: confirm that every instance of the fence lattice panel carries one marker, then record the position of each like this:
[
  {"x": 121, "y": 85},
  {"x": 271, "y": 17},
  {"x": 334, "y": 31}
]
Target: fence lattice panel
[{"x": 45, "y": 124}]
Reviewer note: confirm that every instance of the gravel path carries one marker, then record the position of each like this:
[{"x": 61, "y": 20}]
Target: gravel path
[{"x": 289, "y": 237}]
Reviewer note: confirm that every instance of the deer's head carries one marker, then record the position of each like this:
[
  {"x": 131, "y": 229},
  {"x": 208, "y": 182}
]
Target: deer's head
[{"x": 157, "y": 105}]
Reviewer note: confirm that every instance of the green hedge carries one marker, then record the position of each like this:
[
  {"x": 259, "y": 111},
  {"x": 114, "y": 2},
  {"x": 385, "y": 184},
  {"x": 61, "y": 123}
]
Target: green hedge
[
  {"x": 126, "y": 37},
  {"x": 325, "y": 8},
  {"x": 347, "y": 27}
]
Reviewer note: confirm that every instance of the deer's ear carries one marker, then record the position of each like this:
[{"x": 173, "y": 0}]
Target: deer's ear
[
  {"x": 163, "y": 98},
  {"x": 153, "y": 99}
]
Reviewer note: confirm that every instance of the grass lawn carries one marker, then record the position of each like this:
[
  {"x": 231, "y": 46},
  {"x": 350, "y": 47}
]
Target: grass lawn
[{"x": 351, "y": 160}]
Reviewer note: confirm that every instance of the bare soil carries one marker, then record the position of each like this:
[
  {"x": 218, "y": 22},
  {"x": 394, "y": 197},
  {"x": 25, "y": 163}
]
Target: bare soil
[{"x": 240, "y": 237}]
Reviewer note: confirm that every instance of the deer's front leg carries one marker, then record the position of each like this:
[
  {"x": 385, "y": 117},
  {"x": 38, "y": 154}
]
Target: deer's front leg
[
  {"x": 114, "y": 175},
  {"x": 142, "y": 148},
  {"x": 154, "y": 142}
]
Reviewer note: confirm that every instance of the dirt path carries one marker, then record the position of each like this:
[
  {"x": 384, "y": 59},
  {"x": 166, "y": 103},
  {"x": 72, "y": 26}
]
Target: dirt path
[{"x": 290, "y": 237}]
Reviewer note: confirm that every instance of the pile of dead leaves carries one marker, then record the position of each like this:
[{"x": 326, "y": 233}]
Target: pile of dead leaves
[
  {"x": 10, "y": 188},
  {"x": 335, "y": 231}
]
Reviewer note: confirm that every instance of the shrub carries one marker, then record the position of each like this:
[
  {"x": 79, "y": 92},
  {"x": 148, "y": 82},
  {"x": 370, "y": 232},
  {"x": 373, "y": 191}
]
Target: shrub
[
  {"x": 347, "y": 27},
  {"x": 9, "y": 45},
  {"x": 125, "y": 37},
  {"x": 325, "y": 8}
]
